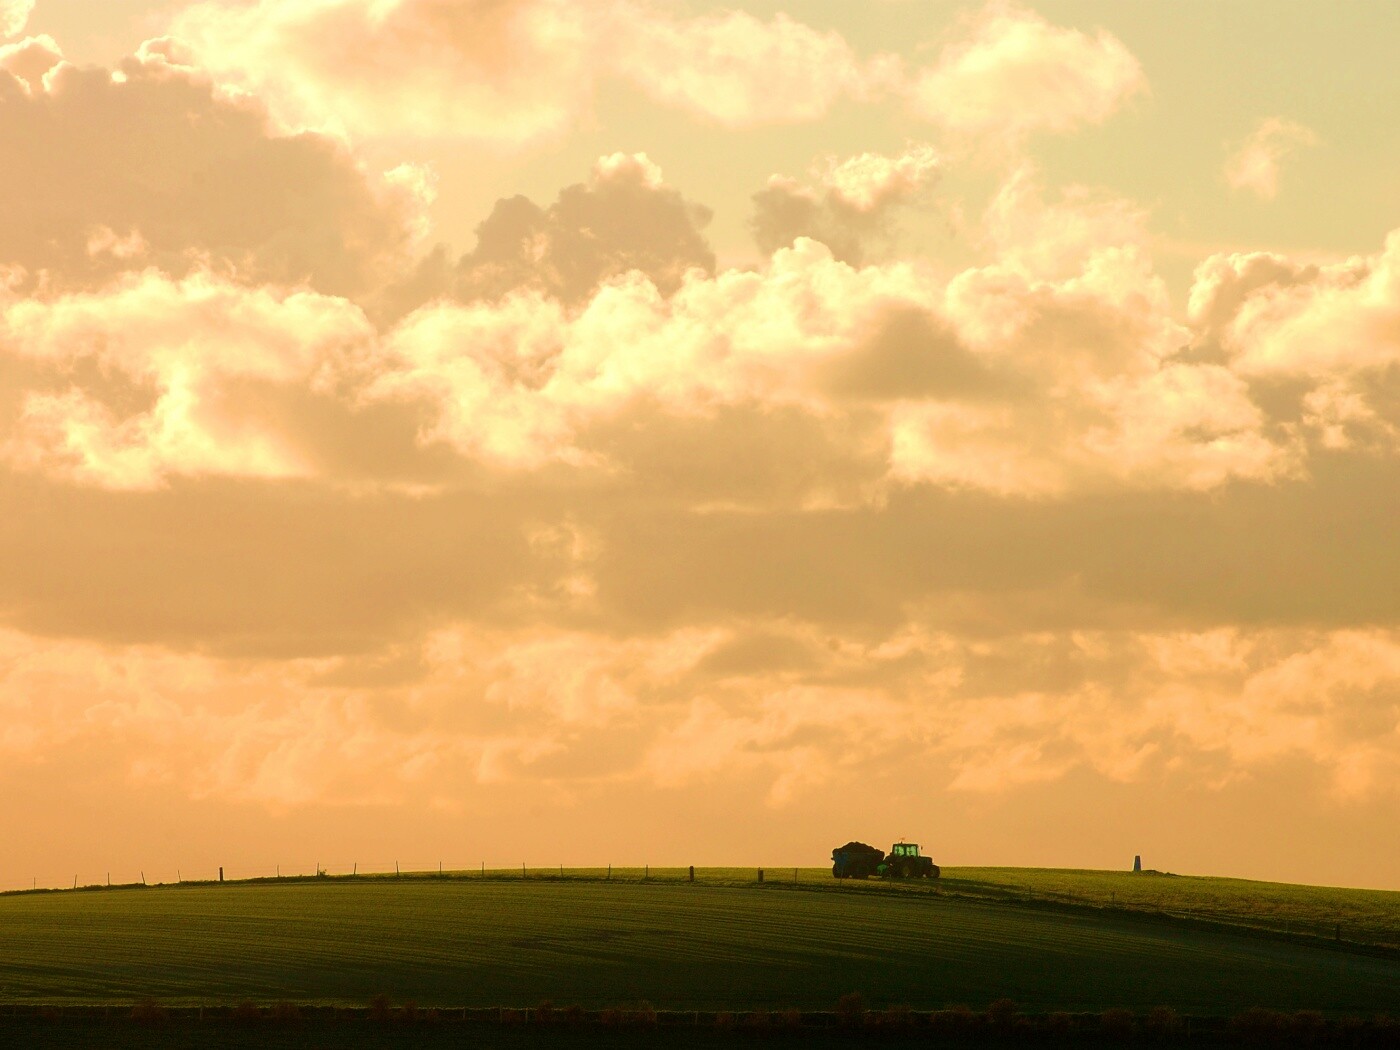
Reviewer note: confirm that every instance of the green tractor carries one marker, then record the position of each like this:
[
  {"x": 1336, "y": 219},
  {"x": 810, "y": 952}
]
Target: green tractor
[
  {"x": 856, "y": 860},
  {"x": 904, "y": 862}
]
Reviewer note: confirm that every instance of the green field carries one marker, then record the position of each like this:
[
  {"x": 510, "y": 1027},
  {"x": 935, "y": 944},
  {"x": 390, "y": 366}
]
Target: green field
[{"x": 725, "y": 942}]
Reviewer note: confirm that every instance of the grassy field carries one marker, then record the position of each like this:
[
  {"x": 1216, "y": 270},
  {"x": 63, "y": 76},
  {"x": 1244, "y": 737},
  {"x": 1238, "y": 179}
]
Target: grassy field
[{"x": 725, "y": 942}]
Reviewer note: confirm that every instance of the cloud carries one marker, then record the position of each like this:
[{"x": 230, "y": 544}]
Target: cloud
[
  {"x": 510, "y": 70},
  {"x": 625, "y": 219},
  {"x": 1011, "y": 72},
  {"x": 14, "y": 14},
  {"x": 737, "y": 70},
  {"x": 1047, "y": 370},
  {"x": 1255, "y": 164},
  {"x": 848, "y": 203},
  {"x": 173, "y": 373},
  {"x": 577, "y": 709},
  {"x": 1327, "y": 337},
  {"x": 515, "y": 71},
  {"x": 149, "y": 165}
]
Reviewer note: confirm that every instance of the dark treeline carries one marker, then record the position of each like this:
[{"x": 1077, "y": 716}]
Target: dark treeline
[{"x": 1002, "y": 1024}]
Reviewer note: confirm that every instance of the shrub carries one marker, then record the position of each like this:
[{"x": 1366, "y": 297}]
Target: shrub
[
  {"x": 1386, "y": 1030},
  {"x": 790, "y": 1019},
  {"x": 954, "y": 1021},
  {"x": 245, "y": 1012},
  {"x": 610, "y": 1018},
  {"x": 148, "y": 1011},
  {"x": 896, "y": 1018},
  {"x": 724, "y": 1019},
  {"x": 1307, "y": 1026},
  {"x": 1059, "y": 1023},
  {"x": 544, "y": 1013},
  {"x": 574, "y": 1015},
  {"x": 757, "y": 1019},
  {"x": 285, "y": 1013},
  {"x": 643, "y": 1015},
  {"x": 850, "y": 1008},
  {"x": 1260, "y": 1026},
  {"x": 1163, "y": 1022},
  {"x": 379, "y": 1008},
  {"x": 1118, "y": 1023},
  {"x": 1002, "y": 1015},
  {"x": 1351, "y": 1031}
]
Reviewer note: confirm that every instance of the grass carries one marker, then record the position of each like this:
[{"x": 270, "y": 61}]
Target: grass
[
  {"x": 725, "y": 942},
  {"x": 1357, "y": 916}
]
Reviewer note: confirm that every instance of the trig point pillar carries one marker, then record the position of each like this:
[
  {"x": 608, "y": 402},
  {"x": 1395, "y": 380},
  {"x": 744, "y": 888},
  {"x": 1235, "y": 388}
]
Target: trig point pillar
[
  {"x": 1137, "y": 862},
  {"x": 221, "y": 873}
]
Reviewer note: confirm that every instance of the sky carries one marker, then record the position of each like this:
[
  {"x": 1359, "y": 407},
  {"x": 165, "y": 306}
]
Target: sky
[{"x": 634, "y": 431}]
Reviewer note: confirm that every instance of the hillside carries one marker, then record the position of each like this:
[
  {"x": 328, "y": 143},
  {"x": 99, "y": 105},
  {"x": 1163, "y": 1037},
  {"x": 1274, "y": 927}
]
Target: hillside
[{"x": 724, "y": 942}]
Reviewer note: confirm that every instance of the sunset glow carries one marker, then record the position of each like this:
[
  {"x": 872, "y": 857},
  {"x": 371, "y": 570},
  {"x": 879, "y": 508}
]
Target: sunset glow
[{"x": 647, "y": 431}]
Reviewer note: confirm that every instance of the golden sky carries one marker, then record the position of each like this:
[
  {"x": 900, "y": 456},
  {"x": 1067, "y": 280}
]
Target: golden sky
[{"x": 634, "y": 431}]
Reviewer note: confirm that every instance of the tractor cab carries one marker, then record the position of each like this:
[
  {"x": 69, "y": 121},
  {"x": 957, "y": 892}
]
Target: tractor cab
[{"x": 904, "y": 849}]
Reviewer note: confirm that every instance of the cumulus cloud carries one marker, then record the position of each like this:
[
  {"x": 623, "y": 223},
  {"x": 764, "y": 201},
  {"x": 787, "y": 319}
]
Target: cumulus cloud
[
  {"x": 149, "y": 165},
  {"x": 172, "y": 374},
  {"x": 13, "y": 16},
  {"x": 1011, "y": 72},
  {"x": 1323, "y": 336},
  {"x": 847, "y": 202},
  {"x": 735, "y": 69},
  {"x": 511, "y": 71},
  {"x": 624, "y": 219},
  {"x": 1256, "y": 163},
  {"x": 514, "y": 71},
  {"x": 1047, "y": 370}
]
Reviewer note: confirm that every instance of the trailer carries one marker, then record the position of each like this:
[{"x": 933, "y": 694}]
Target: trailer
[{"x": 856, "y": 860}]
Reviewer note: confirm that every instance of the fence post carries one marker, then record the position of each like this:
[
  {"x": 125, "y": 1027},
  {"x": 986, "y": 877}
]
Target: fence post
[
  {"x": 692, "y": 873},
  {"x": 760, "y": 874}
]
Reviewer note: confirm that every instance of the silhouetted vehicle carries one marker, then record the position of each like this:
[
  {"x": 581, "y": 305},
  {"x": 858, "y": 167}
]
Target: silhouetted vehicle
[{"x": 856, "y": 860}]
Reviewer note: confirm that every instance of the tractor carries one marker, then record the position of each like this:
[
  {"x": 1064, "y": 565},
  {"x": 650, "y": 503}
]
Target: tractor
[{"x": 856, "y": 860}]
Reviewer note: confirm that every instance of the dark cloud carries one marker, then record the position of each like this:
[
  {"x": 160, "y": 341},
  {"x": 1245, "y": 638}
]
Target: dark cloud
[
  {"x": 782, "y": 214},
  {"x": 913, "y": 354},
  {"x": 151, "y": 167},
  {"x": 618, "y": 222}
]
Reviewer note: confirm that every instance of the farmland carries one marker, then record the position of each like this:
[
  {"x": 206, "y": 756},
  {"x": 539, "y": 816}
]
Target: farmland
[{"x": 1047, "y": 940}]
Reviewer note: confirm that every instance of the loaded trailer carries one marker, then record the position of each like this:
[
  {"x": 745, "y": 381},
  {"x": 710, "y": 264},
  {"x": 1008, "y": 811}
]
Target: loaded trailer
[{"x": 856, "y": 860}]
